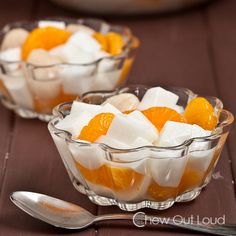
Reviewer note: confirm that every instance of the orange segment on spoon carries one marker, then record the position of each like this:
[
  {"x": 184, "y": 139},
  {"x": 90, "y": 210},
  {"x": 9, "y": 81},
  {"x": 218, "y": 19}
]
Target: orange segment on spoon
[
  {"x": 200, "y": 112},
  {"x": 160, "y": 115},
  {"x": 45, "y": 38},
  {"x": 98, "y": 126}
]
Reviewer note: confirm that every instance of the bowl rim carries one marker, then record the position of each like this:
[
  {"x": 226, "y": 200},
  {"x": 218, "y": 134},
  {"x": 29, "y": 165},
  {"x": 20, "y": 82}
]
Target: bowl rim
[
  {"x": 132, "y": 43},
  {"x": 219, "y": 130}
]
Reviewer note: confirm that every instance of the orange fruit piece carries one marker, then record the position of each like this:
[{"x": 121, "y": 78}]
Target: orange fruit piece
[
  {"x": 101, "y": 38},
  {"x": 200, "y": 112},
  {"x": 160, "y": 115},
  {"x": 115, "y": 178},
  {"x": 161, "y": 193},
  {"x": 97, "y": 126},
  {"x": 115, "y": 43},
  {"x": 111, "y": 42},
  {"x": 45, "y": 38}
]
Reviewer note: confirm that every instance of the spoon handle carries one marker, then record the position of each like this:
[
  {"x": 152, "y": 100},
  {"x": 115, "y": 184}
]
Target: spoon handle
[{"x": 142, "y": 220}]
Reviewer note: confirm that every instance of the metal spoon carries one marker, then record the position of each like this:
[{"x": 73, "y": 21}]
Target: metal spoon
[{"x": 67, "y": 215}]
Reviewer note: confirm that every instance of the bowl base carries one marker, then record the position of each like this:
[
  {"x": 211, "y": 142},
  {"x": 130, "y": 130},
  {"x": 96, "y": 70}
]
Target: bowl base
[
  {"x": 105, "y": 201},
  {"x": 24, "y": 112}
]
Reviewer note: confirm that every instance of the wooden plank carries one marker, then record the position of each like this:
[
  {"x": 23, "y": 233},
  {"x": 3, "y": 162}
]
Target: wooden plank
[
  {"x": 7, "y": 117},
  {"x": 35, "y": 165},
  {"x": 221, "y": 20}
]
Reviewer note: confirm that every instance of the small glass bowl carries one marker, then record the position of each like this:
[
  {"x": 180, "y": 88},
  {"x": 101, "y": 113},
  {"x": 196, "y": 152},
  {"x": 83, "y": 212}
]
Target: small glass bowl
[
  {"x": 148, "y": 176},
  {"x": 33, "y": 91}
]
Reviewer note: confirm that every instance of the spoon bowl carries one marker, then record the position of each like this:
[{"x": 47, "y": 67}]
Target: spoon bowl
[{"x": 52, "y": 210}]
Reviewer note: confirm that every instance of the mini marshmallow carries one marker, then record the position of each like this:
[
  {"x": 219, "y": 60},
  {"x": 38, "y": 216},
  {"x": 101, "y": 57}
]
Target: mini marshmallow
[
  {"x": 11, "y": 54},
  {"x": 85, "y": 42},
  {"x": 75, "y": 122},
  {"x": 127, "y": 130},
  {"x": 123, "y": 101},
  {"x": 49, "y": 23},
  {"x": 80, "y": 107},
  {"x": 158, "y": 97}
]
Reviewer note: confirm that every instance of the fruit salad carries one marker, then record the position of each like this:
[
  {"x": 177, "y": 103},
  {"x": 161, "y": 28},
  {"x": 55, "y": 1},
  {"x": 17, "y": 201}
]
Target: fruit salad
[
  {"x": 48, "y": 62},
  {"x": 150, "y": 145}
]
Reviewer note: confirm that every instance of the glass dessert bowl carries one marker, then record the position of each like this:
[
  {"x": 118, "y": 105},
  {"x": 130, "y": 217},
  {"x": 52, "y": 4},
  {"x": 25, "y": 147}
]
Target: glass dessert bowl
[
  {"x": 47, "y": 62},
  {"x": 136, "y": 154}
]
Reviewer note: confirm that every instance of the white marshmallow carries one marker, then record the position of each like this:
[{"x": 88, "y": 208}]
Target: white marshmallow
[
  {"x": 49, "y": 23},
  {"x": 158, "y": 96},
  {"x": 127, "y": 130},
  {"x": 84, "y": 42},
  {"x": 11, "y": 54},
  {"x": 74, "y": 123},
  {"x": 80, "y": 107}
]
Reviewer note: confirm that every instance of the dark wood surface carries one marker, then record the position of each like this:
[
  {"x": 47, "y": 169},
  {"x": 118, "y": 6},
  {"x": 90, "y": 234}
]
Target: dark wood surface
[{"x": 194, "y": 49}]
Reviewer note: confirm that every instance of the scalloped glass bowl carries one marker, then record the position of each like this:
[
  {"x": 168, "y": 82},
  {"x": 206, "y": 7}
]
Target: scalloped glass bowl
[
  {"x": 150, "y": 176},
  {"x": 32, "y": 91}
]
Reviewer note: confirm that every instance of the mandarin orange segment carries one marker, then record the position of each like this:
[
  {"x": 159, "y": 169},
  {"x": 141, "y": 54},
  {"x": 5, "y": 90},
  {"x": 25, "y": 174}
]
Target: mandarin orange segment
[
  {"x": 44, "y": 38},
  {"x": 200, "y": 112},
  {"x": 160, "y": 115},
  {"x": 161, "y": 193},
  {"x": 115, "y": 178},
  {"x": 111, "y": 42},
  {"x": 101, "y": 38},
  {"x": 98, "y": 126},
  {"x": 115, "y": 43},
  {"x": 190, "y": 179}
]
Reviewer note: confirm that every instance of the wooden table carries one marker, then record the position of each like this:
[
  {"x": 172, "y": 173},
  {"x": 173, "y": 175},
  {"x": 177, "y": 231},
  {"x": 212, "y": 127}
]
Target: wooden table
[{"x": 194, "y": 49}]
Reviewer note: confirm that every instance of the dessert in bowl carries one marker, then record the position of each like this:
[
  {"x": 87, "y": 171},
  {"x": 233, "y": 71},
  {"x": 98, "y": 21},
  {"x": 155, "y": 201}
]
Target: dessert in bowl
[
  {"x": 140, "y": 147},
  {"x": 47, "y": 62}
]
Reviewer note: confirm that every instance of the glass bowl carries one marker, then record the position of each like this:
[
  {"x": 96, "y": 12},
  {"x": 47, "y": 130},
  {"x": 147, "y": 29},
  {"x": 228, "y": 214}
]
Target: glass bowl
[
  {"x": 32, "y": 91},
  {"x": 148, "y": 176}
]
